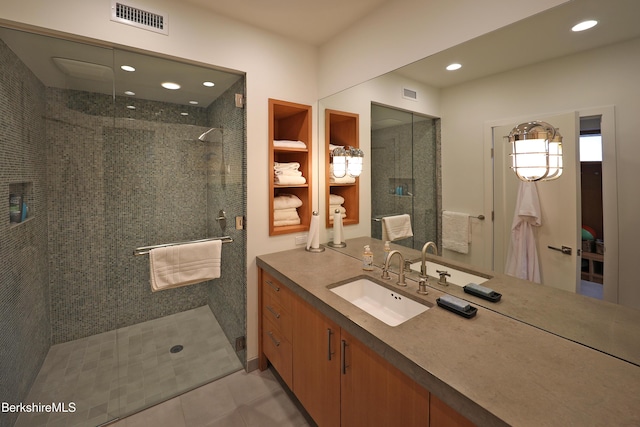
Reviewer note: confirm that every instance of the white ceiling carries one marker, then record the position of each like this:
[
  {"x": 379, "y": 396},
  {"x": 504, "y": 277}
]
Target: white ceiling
[{"x": 311, "y": 21}]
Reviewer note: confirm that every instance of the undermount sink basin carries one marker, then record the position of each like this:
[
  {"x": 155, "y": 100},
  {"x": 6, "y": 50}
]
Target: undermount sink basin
[
  {"x": 460, "y": 278},
  {"x": 385, "y": 304}
]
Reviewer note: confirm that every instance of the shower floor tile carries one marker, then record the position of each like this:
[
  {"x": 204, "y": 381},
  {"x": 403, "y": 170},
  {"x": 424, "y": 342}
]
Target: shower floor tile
[{"x": 117, "y": 373}]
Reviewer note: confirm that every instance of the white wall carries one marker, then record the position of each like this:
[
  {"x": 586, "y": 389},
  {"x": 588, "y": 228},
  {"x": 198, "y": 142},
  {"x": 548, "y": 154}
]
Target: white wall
[
  {"x": 601, "y": 77},
  {"x": 403, "y": 31}
]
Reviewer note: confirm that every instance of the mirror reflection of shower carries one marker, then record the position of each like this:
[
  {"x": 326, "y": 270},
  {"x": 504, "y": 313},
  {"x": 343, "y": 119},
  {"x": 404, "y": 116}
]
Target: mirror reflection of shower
[{"x": 404, "y": 179}]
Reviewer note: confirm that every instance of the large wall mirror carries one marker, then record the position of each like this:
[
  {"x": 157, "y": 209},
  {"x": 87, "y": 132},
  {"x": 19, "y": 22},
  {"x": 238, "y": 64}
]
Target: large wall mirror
[{"x": 535, "y": 69}]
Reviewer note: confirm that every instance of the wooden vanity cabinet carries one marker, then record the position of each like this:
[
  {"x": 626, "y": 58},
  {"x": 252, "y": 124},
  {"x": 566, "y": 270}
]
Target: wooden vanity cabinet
[{"x": 339, "y": 380}]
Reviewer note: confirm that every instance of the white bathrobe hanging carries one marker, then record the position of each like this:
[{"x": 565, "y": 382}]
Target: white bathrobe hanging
[{"x": 522, "y": 256}]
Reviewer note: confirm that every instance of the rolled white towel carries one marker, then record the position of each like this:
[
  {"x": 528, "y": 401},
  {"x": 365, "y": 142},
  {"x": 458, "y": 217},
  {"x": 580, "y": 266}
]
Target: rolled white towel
[
  {"x": 289, "y": 180},
  {"x": 334, "y": 199},
  {"x": 284, "y": 201},
  {"x": 285, "y": 214}
]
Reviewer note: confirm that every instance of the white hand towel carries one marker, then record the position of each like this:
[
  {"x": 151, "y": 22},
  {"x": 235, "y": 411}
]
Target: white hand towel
[
  {"x": 285, "y": 214},
  {"x": 283, "y": 222},
  {"x": 396, "y": 227},
  {"x": 181, "y": 265},
  {"x": 455, "y": 231},
  {"x": 341, "y": 208},
  {"x": 286, "y": 166},
  {"x": 285, "y": 143},
  {"x": 334, "y": 199}
]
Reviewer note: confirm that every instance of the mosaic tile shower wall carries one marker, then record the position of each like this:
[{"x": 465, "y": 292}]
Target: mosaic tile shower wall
[
  {"x": 24, "y": 287},
  {"x": 406, "y": 157},
  {"x": 116, "y": 184},
  {"x": 227, "y": 191}
]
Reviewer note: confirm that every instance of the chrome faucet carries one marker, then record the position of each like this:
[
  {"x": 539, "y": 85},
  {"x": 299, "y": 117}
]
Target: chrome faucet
[
  {"x": 423, "y": 263},
  {"x": 385, "y": 269}
]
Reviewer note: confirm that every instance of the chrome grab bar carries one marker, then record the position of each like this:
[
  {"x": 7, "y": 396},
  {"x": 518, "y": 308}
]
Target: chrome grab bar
[{"x": 144, "y": 250}]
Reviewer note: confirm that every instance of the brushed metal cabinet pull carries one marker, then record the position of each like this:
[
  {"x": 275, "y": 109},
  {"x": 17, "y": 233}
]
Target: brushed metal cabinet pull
[
  {"x": 343, "y": 357},
  {"x": 273, "y": 285},
  {"x": 275, "y": 341},
  {"x": 329, "y": 352},
  {"x": 275, "y": 313}
]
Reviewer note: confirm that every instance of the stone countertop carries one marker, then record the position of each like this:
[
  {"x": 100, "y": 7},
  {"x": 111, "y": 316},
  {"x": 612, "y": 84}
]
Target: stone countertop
[
  {"x": 611, "y": 328},
  {"x": 493, "y": 369}
]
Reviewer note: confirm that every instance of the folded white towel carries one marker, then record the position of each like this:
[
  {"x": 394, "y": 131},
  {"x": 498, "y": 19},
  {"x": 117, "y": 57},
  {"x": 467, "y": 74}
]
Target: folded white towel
[
  {"x": 334, "y": 146},
  {"x": 180, "y": 265},
  {"x": 289, "y": 180},
  {"x": 286, "y": 222},
  {"x": 286, "y": 166},
  {"x": 396, "y": 227},
  {"x": 289, "y": 172},
  {"x": 285, "y": 214},
  {"x": 286, "y": 143},
  {"x": 347, "y": 179},
  {"x": 334, "y": 199},
  {"x": 455, "y": 231},
  {"x": 284, "y": 201}
]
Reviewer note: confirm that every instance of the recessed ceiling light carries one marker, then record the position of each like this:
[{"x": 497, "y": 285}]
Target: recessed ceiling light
[
  {"x": 454, "y": 66},
  {"x": 170, "y": 85},
  {"x": 128, "y": 92},
  {"x": 209, "y": 84},
  {"x": 131, "y": 107},
  {"x": 193, "y": 102},
  {"x": 184, "y": 114},
  {"x": 585, "y": 25},
  {"x": 127, "y": 68}
]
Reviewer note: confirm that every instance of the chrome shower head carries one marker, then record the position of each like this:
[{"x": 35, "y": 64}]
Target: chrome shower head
[{"x": 209, "y": 136}]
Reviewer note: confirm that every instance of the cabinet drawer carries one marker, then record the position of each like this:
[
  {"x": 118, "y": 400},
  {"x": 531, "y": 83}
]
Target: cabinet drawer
[
  {"x": 278, "y": 350},
  {"x": 276, "y": 292},
  {"x": 276, "y": 313}
]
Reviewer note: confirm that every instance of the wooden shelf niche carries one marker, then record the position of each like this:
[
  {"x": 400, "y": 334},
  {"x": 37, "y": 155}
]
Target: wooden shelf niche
[
  {"x": 342, "y": 128},
  {"x": 290, "y": 121}
]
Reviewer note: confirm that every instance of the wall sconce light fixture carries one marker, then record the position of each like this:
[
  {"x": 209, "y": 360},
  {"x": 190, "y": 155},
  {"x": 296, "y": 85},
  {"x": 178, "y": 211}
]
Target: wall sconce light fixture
[
  {"x": 347, "y": 160},
  {"x": 536, "y": 151}
]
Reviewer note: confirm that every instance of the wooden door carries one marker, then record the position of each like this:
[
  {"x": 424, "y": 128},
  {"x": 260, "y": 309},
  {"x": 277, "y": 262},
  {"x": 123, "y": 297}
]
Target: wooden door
[
  {"x": 374, "y": 393},
  {"x": 316, "y": 364},
  {"x": 559, "y": 203}
]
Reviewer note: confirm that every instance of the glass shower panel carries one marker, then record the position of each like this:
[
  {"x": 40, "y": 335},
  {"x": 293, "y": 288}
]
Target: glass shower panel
[{"x": 403, "y": 178}]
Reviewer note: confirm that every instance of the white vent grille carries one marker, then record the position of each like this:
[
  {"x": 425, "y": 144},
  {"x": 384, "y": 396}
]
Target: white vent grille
[
  {"x": 136, "y": 17},
  {"x": 409, "y": 94}
]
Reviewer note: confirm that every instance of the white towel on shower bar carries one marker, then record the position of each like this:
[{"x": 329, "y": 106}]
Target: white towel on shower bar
[
  {"x": 396, "y": 227},
  {"x": 181, "y": 265},
  {"x": 455, "y": 231}
]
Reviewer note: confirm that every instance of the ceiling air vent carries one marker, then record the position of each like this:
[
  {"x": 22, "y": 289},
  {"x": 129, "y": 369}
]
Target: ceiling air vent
[
  {"x": 136, "y": 17},
  {"x": 409, "y": 94}
]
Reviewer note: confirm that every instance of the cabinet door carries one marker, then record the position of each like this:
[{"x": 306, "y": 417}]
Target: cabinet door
[
  {"x": 316, "y": 364},
  {"x": 442, "y": 415},
  {"x": 373, "y": 392}
]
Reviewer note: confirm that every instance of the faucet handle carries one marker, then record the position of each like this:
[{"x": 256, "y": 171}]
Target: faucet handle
[
  {"x": 385, "y": 274},
  {"x": 422, "y": 285},
  {"x": 443, "y": 277}
]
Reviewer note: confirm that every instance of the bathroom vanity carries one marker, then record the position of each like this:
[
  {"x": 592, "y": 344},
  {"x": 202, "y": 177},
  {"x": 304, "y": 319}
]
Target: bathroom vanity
[{"x": 436, "y": 368}]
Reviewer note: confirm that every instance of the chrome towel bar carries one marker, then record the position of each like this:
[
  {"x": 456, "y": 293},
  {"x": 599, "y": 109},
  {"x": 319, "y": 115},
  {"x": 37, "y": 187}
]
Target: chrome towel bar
[{"x": 144, "y": 250}]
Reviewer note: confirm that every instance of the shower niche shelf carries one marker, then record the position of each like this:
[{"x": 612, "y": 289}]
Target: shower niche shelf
[
  {"x": 20, "y": 199},
  {"x": 290, "y": 122},
  {"x": 341, "y": 128}
]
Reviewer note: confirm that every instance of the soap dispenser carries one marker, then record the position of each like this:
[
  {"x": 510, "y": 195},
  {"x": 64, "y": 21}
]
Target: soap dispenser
[{"x": 367, "y": 259}]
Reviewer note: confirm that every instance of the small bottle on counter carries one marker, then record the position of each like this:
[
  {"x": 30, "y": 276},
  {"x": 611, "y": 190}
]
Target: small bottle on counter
[
  {"x": 387, "y": 249},
  {"x": 367, "y": 259}
]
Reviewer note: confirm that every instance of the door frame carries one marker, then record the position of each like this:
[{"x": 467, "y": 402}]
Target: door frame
[{"x": 609, "y": 182}]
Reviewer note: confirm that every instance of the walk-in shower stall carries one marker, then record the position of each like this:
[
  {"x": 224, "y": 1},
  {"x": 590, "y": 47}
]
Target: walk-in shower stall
[
  {"x": 405, "y": 173},
  {"x": 105, "y": 161}
]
